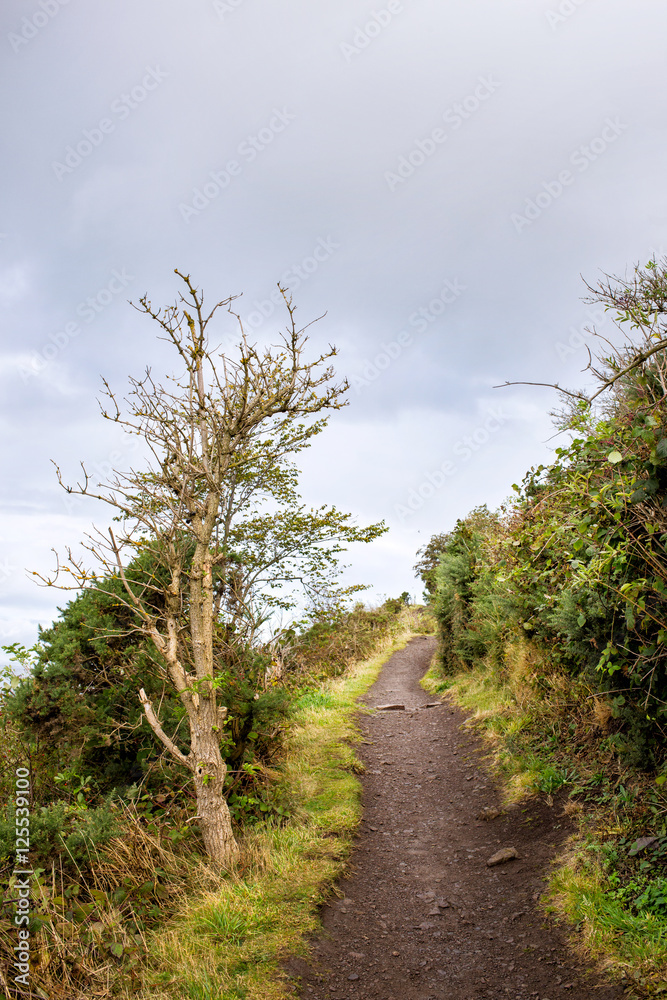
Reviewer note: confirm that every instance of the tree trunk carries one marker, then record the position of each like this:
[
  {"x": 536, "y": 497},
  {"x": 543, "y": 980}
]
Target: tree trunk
[
  {"x": 212, "y": 809},
  {"x": 208, "y": 770}
]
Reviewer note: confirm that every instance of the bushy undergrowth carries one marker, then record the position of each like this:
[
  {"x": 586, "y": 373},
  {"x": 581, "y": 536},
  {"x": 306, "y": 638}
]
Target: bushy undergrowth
[{"x": 520, "y": 572}]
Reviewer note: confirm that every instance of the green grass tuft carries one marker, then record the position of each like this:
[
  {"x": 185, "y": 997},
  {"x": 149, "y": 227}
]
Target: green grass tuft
[{"x": 635, "y": 943}]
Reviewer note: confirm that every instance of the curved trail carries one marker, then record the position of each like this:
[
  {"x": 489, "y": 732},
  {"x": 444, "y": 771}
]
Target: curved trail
[{"x": 423, "y": 917}]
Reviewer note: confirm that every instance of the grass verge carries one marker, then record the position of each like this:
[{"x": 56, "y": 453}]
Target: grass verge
[
  {"x": 547, "y": 733},
  {"x": 227, "y": 941}
]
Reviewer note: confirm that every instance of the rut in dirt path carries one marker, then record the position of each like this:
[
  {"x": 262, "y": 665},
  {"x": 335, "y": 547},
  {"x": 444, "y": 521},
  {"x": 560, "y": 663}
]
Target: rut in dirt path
[{"x": 423, "y": 917}]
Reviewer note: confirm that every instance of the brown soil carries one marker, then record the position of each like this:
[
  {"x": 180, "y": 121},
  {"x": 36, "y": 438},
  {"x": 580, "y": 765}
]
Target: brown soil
[{"x": 423, "y": 917}]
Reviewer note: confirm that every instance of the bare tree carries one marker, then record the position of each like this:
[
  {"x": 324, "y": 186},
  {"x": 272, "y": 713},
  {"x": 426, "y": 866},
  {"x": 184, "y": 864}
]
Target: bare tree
[{"x": 223, "y": 421}]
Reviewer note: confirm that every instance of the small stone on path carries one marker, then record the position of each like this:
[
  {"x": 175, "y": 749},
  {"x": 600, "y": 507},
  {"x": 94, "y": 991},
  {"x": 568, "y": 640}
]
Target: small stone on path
[
  {"x": 390, "y": 708},
  {"x": 500, "y": 857},
  {"x": 488, "y": 813}
]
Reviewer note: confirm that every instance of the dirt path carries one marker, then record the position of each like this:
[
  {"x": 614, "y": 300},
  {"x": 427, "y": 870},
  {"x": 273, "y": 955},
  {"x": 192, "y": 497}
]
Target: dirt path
[{"x": 423, "y": 917}]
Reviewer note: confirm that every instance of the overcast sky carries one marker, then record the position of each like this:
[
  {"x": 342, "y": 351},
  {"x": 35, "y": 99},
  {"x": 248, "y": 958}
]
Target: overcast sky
[{"x": 436, "y": 177}]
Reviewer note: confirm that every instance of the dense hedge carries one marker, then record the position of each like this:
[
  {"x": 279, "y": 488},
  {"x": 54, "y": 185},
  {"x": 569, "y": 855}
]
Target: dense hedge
[{"x": 577, "y": 561}]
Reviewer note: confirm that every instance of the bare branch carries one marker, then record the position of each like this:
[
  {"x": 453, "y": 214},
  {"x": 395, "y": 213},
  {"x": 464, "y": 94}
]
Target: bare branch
[
  {"x": 636, "y": 362},
  {"x": 154, "y": 723},
  {"x": 548, "y": 385}
]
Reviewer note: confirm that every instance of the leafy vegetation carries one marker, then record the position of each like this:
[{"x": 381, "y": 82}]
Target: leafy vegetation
[{"x": 552, "y": 616}]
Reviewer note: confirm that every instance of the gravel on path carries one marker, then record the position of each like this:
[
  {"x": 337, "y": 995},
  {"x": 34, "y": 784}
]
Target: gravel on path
[{"x": 424, "y": 916}]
